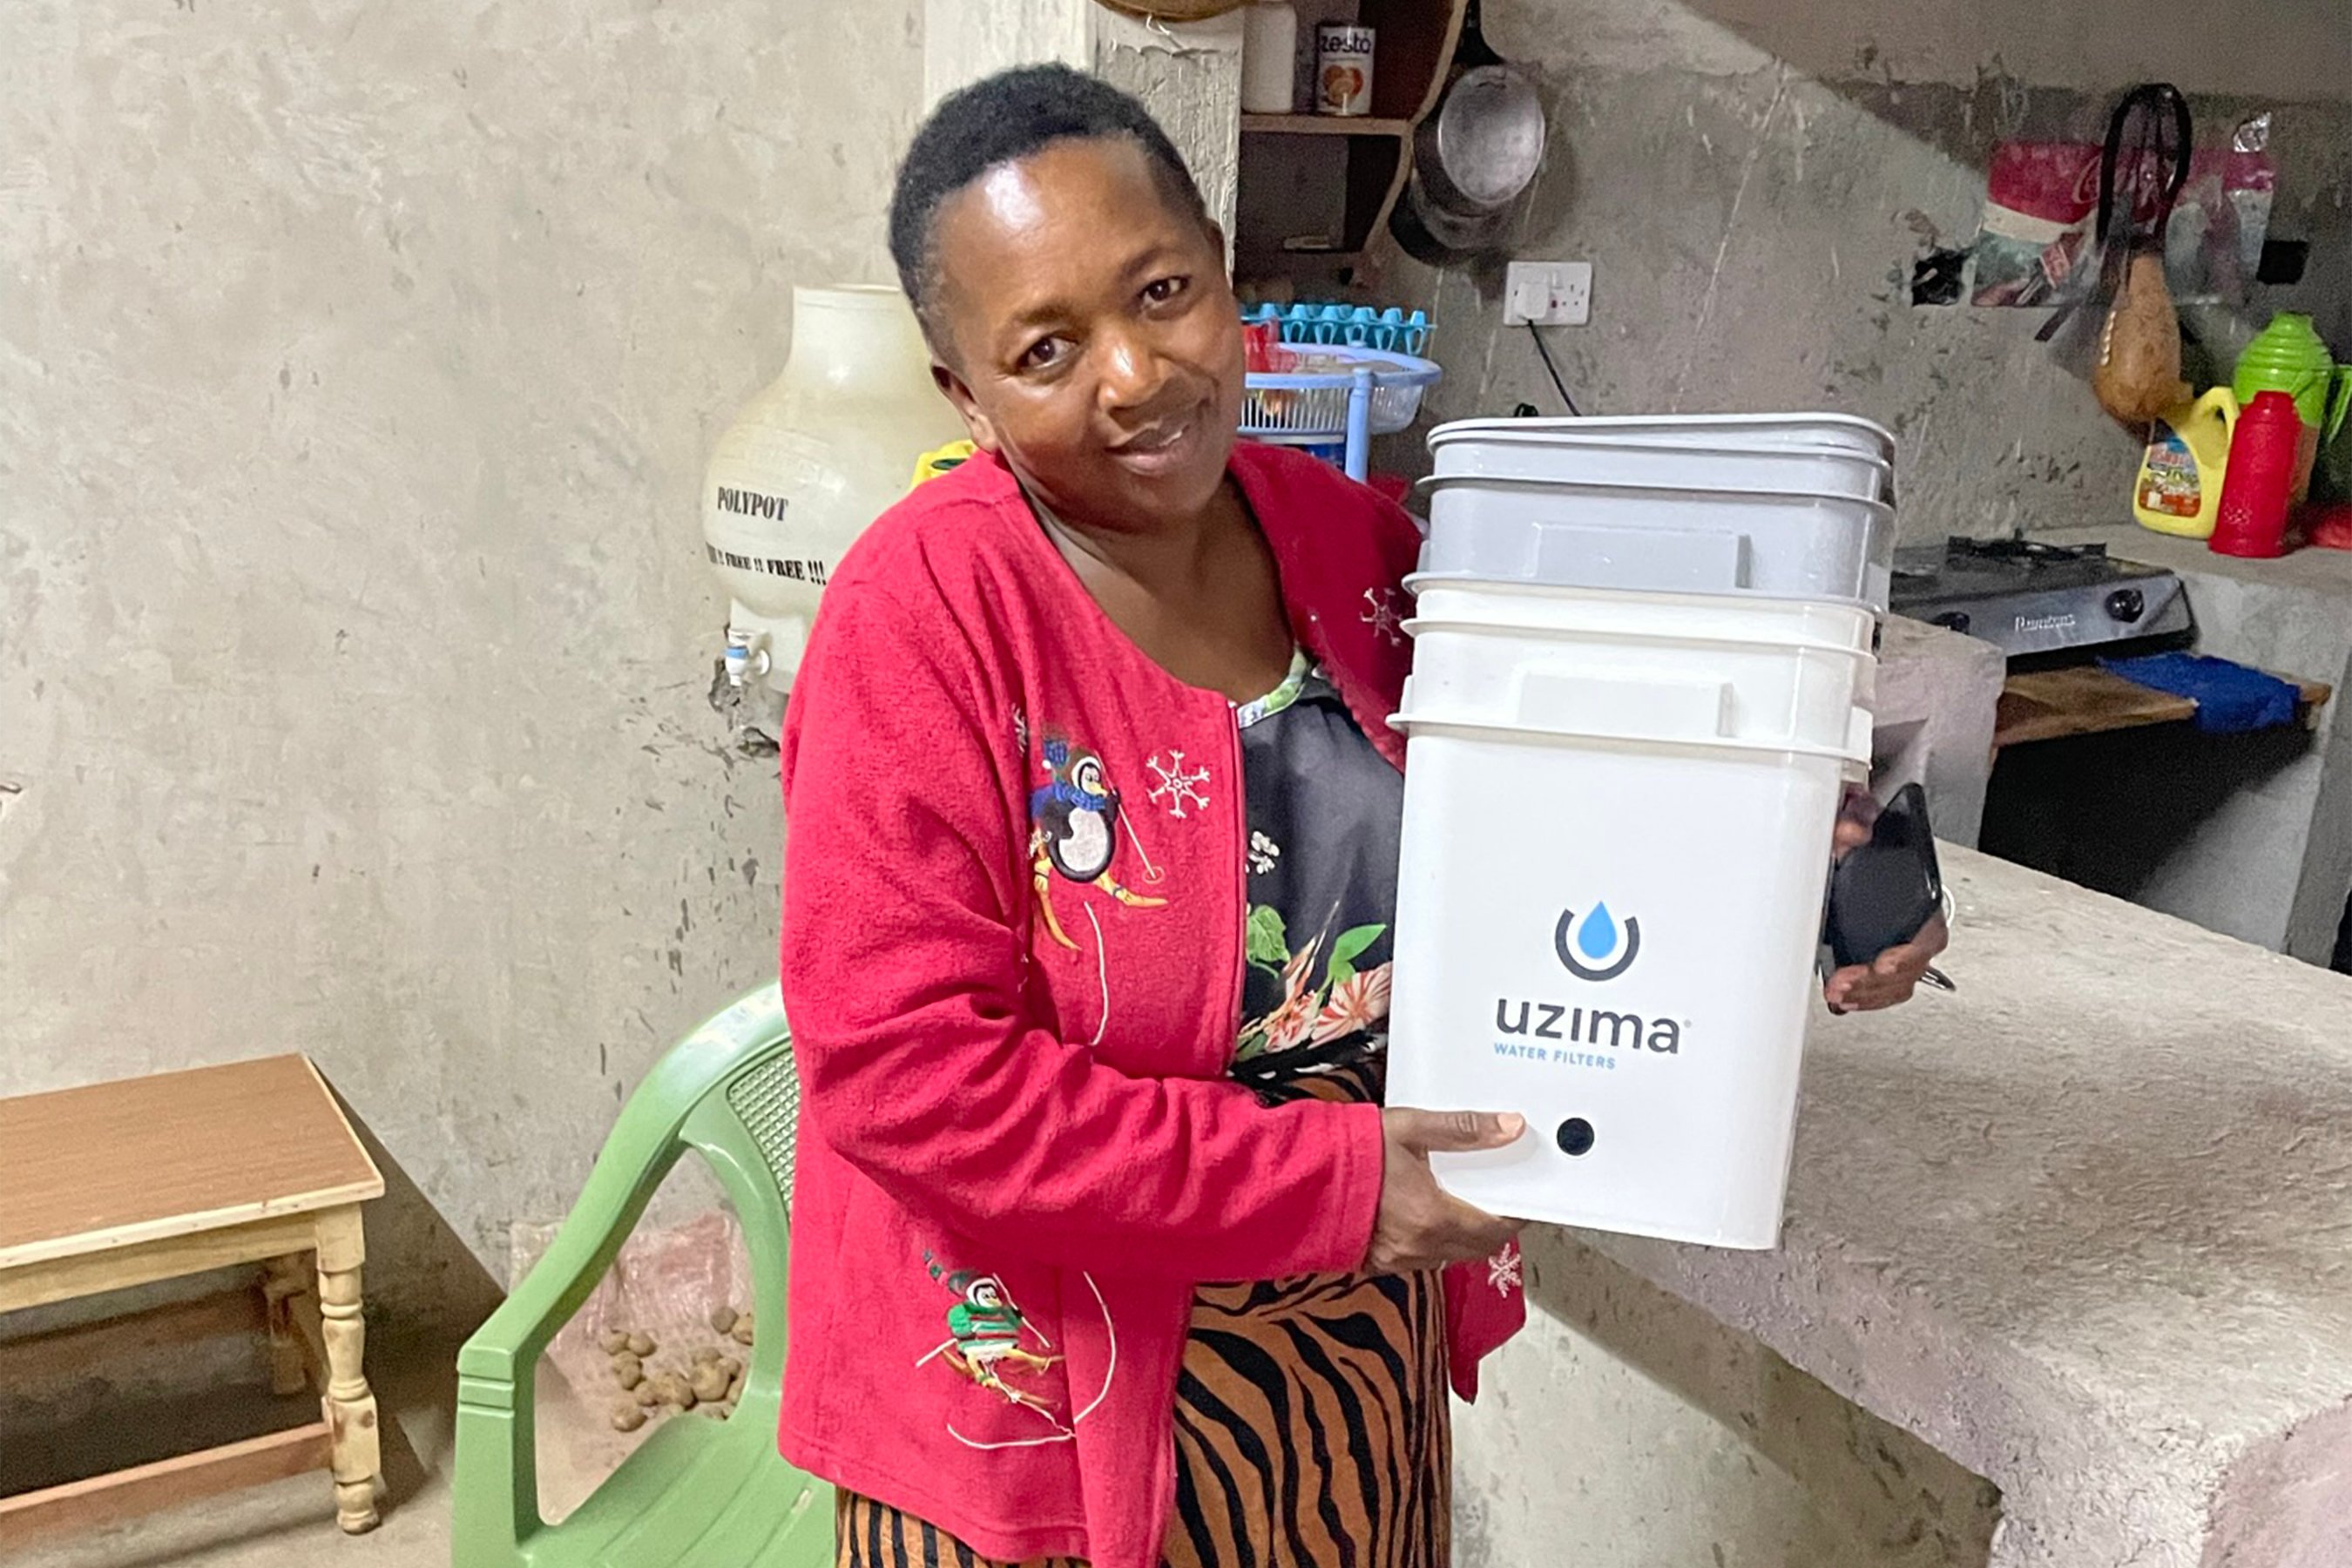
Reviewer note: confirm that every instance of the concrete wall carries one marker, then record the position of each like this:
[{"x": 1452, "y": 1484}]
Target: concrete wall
[
  {"x": 360, "y": 363},
  {"x": 1754, "y": 181}
]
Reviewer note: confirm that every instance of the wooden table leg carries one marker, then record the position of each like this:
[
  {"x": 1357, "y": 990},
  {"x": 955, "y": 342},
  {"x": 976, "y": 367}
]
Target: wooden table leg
[
  {"x": 283, "y": 1281},
  {"x": 350, "y": 1406}
]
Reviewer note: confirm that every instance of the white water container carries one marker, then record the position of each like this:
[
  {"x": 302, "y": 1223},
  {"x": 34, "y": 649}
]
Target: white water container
[
  {"x": 1752, "y": 432},
  {"x": 1658, "y": 540},
  {"x": 814, "y": 456},
  {"x": 1620, "y": 685},
  {"x": 1613, "y": 938},
  {"x": 1806, "y": 622},
  {"x": 1515, "y": 454}
]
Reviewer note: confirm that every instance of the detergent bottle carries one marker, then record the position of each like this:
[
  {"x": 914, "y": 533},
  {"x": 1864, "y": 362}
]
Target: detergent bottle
[{"x": 2180, "y": 485}]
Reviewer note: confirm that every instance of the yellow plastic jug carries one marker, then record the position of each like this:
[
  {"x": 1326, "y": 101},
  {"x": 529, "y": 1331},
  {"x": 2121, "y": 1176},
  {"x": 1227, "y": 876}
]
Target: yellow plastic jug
[
  {"x": 940, "y": 459},
  {"x": 2180, "y": 485}
]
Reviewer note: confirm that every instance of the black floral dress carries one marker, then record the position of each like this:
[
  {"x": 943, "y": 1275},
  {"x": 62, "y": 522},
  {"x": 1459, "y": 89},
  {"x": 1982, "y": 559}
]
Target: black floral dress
[{"x": 1312, "y": 1425}]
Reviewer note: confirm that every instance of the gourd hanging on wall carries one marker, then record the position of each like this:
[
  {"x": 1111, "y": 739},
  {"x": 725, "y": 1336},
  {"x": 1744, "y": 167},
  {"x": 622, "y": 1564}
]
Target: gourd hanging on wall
[{"x": 2138, "y": 376}]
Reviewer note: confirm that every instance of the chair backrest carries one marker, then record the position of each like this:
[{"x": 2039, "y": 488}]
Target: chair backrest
[
  {"x": 745, "y": 1129},
  {"x": 729, "y": 1091}
]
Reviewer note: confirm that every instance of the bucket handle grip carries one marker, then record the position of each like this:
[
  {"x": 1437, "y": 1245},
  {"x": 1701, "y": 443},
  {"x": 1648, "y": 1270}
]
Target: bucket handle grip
[{"x": 1633, "y": 706}]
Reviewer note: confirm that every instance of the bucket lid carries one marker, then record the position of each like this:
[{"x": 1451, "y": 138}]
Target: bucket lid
[
  {"x": 1508, "y": 434},
  {"x": 1736, "y": 432}
]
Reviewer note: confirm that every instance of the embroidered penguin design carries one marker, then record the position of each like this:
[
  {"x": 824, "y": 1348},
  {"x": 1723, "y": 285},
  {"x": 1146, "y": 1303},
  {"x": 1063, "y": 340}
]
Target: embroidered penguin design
[{"x": 1074, "y": 821}]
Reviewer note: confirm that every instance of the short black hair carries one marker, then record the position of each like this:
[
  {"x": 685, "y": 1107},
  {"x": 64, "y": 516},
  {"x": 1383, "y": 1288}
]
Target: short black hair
[{"x": 1001, "y": 120}]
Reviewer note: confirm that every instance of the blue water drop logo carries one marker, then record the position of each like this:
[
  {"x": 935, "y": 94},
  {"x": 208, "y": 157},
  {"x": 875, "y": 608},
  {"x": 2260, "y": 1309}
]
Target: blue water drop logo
[
  {"x": 1595, "y": 948},
  {"x": 1597, "y": 940}
]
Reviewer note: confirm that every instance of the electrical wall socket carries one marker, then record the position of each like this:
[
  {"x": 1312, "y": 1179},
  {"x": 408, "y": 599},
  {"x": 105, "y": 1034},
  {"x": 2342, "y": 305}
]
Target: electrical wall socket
[{"x": 1547, "y": 293}]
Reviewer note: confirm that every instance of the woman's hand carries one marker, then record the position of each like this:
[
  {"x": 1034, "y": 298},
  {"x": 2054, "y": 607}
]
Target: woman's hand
[
  {"x": 1857, "y": 817},
  {"x": 1889, "y": 978},
  {"x": 1895, "y": 974},
  {"x": 1421, "y": 1224}
]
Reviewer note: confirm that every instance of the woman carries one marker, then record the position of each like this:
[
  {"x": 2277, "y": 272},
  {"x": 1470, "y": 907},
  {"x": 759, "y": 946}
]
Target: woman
[{"x": 1105, "y": 1247}]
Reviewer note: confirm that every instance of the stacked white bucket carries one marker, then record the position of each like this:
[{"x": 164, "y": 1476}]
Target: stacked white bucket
[{"x": 1642, "y": 677}]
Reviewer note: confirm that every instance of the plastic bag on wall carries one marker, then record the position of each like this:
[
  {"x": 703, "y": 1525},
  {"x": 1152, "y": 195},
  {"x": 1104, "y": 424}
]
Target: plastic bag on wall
[{"x": 2035, "y": 245}]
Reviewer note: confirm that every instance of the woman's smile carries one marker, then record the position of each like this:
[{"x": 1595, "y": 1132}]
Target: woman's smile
[{"x": 1167, "y": 446}]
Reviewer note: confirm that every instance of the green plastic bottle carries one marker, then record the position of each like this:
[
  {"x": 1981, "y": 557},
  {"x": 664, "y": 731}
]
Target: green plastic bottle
[{"x": 2290, "y": 357}]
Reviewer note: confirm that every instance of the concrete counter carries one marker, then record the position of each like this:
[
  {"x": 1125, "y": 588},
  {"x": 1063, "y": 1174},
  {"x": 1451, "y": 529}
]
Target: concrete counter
[{"x": 2084, "y": 1227}]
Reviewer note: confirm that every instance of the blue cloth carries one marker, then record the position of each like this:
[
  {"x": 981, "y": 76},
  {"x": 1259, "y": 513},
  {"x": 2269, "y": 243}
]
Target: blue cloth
[{"x": 2231, "y": 699}]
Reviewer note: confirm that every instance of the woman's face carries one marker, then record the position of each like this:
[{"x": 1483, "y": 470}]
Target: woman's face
[{"x": 1088, "y": 334}]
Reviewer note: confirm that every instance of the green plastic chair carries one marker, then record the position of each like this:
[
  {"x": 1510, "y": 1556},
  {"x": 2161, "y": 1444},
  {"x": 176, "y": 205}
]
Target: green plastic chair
[{"x": 697, "y": 1493}]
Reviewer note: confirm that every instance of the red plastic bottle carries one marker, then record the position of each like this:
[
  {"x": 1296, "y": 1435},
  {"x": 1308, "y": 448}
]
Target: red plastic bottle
[{"x": 2260, "y": 479}]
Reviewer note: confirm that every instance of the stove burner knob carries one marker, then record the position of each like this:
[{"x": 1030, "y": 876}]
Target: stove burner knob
[
  {"x": 2127, "y": 603},
  {"x": 1950, "y": 620}
]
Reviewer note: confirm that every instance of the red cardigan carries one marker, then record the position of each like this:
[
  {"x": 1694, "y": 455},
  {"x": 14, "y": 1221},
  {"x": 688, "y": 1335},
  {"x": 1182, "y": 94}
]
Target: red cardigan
[{"x": 1018, "y": 1157}]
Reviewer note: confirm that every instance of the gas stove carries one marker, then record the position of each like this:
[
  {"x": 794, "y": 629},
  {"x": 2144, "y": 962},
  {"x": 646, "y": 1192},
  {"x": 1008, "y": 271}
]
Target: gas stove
[{"x": 2030, "y": 597}]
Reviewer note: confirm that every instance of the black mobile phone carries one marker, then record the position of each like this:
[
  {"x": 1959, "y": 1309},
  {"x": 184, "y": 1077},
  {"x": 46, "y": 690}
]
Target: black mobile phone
[{"x": 1883, "y": 891}]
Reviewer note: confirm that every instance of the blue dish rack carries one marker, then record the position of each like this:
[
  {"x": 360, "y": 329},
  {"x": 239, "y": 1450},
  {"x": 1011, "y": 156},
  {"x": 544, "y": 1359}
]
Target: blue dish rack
[{"x": 1365, "y": 377}]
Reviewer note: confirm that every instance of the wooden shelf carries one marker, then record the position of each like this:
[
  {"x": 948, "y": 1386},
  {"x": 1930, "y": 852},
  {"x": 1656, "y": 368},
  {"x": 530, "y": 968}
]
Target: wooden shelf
[
  {"x": 1323, "y": 125},
  {"x": 1336, "y": 178},
  {"x": 2084, "y": 699}
]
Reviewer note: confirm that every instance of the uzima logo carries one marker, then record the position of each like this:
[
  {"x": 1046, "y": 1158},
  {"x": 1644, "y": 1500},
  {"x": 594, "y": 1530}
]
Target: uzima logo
[{"x": 1597, "y": 948}]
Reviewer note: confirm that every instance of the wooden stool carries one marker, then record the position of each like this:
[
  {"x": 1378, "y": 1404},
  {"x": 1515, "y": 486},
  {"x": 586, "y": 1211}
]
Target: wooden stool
[{"x": 152, "y": 1178}]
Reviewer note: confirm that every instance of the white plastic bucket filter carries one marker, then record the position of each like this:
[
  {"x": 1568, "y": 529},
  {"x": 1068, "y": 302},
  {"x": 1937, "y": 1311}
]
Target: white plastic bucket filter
[
  {"x": 1641, "y": 675},
  {"x": 1613, "y": 938}
]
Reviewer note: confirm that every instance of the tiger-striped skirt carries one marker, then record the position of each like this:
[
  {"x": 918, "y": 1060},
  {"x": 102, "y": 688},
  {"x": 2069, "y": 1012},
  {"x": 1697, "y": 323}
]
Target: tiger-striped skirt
[{"x": 1312, "y": 1431}]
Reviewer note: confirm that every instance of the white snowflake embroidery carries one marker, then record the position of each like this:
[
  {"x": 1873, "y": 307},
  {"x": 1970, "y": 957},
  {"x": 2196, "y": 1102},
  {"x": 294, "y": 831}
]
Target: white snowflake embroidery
[
  {"x": 1380, "y": 615},
  {"x": 1020, "y": 728},
  {"x": 1179, "y": 785},
  {"x": 1502, "y": 1270},
  {"x": 1263, "y": 853}
]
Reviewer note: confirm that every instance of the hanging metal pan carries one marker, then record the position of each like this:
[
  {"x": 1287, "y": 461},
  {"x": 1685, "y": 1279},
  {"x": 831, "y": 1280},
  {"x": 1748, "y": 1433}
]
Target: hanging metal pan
[{"x": 1479, "y": 151}]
